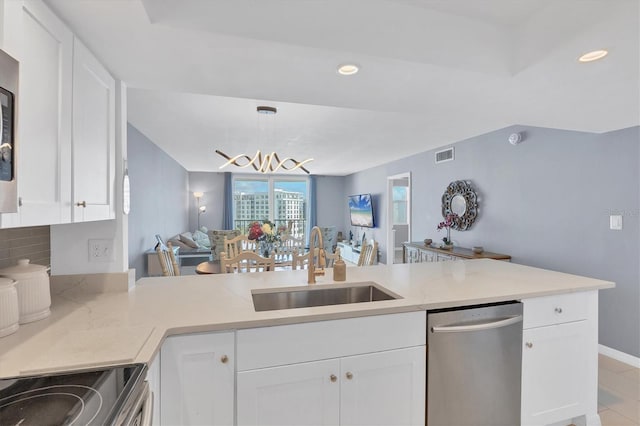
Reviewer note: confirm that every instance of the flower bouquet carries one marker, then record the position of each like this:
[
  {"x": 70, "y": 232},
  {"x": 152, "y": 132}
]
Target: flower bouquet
[
  {"x": 448, "y": 222},
  {"x": 266, "y": 234}
]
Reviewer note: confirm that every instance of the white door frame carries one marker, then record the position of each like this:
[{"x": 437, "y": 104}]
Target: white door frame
[{"x": 390, "y": 236}]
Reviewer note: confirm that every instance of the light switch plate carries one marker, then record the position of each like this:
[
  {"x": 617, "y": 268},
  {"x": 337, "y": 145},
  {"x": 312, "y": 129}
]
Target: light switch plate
[{"x": 615, "y": 222}]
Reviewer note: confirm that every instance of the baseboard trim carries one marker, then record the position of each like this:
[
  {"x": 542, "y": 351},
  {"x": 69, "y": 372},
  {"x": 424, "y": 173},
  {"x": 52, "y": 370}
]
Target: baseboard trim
[{"x": 619, "y": 356}]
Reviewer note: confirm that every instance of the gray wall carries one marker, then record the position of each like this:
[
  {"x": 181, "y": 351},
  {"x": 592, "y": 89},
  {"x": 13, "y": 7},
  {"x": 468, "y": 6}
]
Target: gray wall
[
  {"x": 546, "y": 202},
  {"x": 159, "y": 197},
  {"x": 212, "y": 187},
  {"x": 331, "y": 201}
]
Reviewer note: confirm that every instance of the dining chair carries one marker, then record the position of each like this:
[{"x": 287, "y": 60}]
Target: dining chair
[
  {"x": 168, "y": 262},
  {"x": 368, "y": 253},
  {"x": 217, "y": 237},
  {"x": 239, "y": 244},
  {"x": 246, "y": 262},
  {"x": 301, "y": 260},
  {"x": 286, "y": 249}
]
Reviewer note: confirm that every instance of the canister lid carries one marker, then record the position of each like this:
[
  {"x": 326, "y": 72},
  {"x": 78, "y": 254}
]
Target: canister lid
[
  {"x": 23, "y": 267},
  {"x": 6, "y": 282}
]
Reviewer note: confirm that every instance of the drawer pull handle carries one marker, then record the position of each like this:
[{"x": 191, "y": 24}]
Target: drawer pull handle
[
  {"x": 82, "y": 204},
  {"x": 349, "y": 375},
  {"x": 558, "y": 310},
  {"x": 333, "y": 378},
  {"x": 529, "y": 345},
  {"x": 224, "y": 359}
]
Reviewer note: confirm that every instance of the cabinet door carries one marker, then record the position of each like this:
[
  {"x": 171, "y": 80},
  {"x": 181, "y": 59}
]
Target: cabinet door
[
  {"x": 554, "y": 382},
  {"x": 93, "y": 138},
  {"x": 384, "y": 388},
  {"x": 197, "y": 379},
  {"x": 153, "y": 377},
  {"x": 413, "y": 254},
  {"x": 298, "y": 394},
  {"x": 43, "y": 45}
]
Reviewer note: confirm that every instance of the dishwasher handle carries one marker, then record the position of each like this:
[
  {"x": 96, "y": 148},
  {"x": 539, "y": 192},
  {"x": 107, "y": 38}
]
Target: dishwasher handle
[{"x": 503, "y": 322}]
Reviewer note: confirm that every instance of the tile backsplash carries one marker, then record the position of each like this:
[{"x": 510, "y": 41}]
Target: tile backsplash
[{"x": 33, "y": 243}]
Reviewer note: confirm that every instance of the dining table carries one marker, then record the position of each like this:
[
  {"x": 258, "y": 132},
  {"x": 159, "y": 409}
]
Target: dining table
[
  {"x": 213, "y": 266},
  {"x": 208, "y": 267}
]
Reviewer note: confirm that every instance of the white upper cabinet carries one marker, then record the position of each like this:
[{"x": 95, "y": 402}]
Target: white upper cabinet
[
  {"x": 43, "y": 45},
  {"x": 93, "y": 138},
  {"x": 66, "y": 121}
]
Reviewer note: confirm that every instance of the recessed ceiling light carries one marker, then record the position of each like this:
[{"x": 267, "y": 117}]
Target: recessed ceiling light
[
  {"x": 348, "y": 69},
  {"x": 593, "y": 56}
]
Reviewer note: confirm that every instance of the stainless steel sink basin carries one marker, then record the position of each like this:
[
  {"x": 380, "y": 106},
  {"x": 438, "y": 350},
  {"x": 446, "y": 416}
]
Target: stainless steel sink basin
[{"x": 269, "y": 300}]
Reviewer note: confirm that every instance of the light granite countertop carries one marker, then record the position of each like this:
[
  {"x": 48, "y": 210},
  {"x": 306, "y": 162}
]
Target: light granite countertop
[{"x": 89, "y": 329}]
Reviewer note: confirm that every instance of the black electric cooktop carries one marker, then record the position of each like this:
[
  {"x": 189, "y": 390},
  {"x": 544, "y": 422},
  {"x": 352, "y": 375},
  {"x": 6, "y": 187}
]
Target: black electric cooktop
[{"x": 93, "y": 397}]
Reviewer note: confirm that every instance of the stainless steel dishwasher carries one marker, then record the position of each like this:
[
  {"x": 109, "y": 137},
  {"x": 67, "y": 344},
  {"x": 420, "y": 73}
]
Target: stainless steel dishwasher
[{"x": 474, "y": 365}]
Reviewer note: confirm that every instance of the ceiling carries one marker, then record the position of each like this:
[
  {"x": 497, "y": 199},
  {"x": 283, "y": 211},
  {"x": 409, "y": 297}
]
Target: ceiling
[{"x": 433, "y": 72}]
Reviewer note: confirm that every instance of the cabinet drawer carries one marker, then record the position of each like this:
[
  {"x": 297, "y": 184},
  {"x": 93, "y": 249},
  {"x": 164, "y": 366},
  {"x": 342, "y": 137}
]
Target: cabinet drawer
[
  {"x": 289, "y": 344},
  {"x": 549, "y": 310}
]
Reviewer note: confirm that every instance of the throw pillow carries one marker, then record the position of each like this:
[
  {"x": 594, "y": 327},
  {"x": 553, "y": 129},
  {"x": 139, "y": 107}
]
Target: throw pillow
[
  {"x": 187, "y": 238},
  {"x": 201, "y": 239},
  {"x": 175, "y": 242}
]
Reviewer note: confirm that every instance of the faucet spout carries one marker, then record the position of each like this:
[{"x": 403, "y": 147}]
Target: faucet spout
[{"x": 315, "y": 238}]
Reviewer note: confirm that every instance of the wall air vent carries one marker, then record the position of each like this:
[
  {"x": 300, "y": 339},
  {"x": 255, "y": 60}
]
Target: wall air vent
[{"x": 444, "y": 155}]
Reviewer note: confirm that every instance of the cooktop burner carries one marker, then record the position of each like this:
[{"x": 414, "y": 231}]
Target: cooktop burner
[{"x": 75, "y": 398}]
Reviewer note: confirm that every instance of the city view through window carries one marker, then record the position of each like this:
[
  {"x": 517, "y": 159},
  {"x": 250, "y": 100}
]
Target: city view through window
[{"x": 284, "y": 202}]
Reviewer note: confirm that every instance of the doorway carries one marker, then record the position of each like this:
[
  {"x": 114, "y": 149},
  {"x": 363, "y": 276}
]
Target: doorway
[{"x": 398, "y": 215}]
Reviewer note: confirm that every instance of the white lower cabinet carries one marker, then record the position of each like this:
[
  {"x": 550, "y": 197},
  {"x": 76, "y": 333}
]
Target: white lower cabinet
[
  {"x": 153, "y": 377},
  {"x": 559, "y": 360},
  {"x": 382, "y": 388},
  {"x": 295, "y": 394},
  {"x": 553, "y": 375},
  {"x": 197, "y": 379},
  {"x": 359, "y": 371}
]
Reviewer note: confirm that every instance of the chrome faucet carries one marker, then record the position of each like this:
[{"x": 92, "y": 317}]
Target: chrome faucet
[{"x": 315, "y": 238}]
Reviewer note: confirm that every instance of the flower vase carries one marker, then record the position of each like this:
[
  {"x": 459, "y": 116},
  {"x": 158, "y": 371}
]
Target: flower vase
[
  {"x": 266, "y": 248},
  {"x": 448, "y": 245}
]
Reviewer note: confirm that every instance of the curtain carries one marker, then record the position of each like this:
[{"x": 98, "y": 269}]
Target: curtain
[
  {"x": 227, "y": 215},
  {"x": 313, "y": 214}
]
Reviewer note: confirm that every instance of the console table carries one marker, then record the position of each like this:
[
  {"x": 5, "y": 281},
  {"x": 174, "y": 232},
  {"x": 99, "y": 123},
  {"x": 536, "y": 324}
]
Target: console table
[
  {"x": 351, "y": 253},
  {"x": 417, "y": 252}
]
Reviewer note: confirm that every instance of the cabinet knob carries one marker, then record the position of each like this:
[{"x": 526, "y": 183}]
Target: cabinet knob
[
  {"x": 349, "y": 375},
  {"x": 224, "y": 359},
  {"x": 333, "y": 378},
  {"x": 529, "y": 345},
  {"x": 19, "y": 201},
  {"x": 81, "y": 204},
  {"x": 558, "y": 310}
]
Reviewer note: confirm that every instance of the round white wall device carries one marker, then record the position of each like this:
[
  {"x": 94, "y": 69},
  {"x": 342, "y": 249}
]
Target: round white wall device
[{"x": 515, "y": 138}]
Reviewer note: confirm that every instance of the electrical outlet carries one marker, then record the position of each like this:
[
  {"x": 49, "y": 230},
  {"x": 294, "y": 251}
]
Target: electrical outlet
[{"x": 101, "y": 251}]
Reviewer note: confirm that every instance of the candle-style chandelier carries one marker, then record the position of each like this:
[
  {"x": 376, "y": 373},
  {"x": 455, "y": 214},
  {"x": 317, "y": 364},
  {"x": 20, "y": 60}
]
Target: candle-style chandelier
[{"x": 268, "y": 162}]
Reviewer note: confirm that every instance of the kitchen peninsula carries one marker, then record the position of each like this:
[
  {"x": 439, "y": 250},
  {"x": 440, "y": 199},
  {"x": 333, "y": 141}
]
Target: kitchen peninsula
[{"x": 161, "y": 315}]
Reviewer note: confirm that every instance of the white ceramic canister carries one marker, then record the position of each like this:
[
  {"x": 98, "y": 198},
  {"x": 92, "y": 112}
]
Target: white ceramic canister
[
  {"x": 34, "y": 294},
  {"x": 9, "y": 313}
]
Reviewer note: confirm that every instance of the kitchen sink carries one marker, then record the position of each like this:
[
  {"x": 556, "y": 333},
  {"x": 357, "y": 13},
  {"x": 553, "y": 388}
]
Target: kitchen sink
[{"x": 269, "y": 300}]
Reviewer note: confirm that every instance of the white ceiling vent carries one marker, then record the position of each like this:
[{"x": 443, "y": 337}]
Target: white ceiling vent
[{"x": 444, "y": 155}]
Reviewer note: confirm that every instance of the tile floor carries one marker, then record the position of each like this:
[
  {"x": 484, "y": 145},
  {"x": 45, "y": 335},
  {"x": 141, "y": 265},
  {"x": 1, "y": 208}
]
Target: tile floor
[{"x": 618, "y": 393}]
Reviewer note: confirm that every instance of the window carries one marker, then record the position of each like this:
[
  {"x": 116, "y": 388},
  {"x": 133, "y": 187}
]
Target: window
[
  {"x": 282, "y": 200},
  {"x": 400, "y": 205}
]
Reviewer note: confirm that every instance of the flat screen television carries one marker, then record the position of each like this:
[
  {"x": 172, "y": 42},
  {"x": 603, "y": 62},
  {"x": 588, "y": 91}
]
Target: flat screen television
[{"x": 361, "y": 210}]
